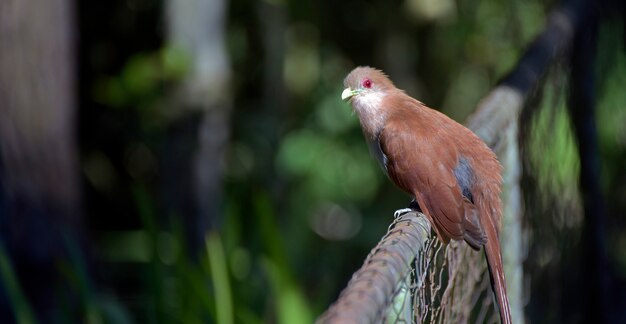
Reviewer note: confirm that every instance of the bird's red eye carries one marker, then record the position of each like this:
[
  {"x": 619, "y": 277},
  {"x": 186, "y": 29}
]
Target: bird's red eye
[{"x": 367, "y": 83}]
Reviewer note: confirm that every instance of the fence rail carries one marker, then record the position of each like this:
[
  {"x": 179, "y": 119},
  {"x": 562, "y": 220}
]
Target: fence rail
[{"x": 373, "y": 288}]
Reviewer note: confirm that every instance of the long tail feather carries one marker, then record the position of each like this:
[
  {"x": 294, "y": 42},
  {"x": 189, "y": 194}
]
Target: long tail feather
[{"x": 496, "y": 273}]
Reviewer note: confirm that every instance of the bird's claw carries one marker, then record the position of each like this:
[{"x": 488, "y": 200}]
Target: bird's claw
[{"x": 401, "y": 212}]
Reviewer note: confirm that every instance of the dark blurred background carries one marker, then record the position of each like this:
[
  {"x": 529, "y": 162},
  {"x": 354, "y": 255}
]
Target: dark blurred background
[{"x": 191, "y": 161}]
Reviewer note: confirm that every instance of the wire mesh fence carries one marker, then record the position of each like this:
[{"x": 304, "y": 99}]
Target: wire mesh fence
[
  {"x": 411, "y": 277},
  {"x": 451, "y": 286}
]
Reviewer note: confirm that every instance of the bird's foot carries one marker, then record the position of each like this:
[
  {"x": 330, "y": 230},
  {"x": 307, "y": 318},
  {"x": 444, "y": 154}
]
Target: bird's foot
[
  {"x": 415, "y": 206},
  {"x": 401, "y": 212}
]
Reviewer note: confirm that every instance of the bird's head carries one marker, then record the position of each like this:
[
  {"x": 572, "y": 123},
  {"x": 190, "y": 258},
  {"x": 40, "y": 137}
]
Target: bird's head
[
  {"x": 365, "y": 81},
  {"x": 365, "y": 89}
]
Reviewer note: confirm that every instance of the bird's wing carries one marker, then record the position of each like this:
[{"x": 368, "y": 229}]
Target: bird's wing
[
  {"x": 419, "y": 163},
  {"x": 422, "y": 161}
]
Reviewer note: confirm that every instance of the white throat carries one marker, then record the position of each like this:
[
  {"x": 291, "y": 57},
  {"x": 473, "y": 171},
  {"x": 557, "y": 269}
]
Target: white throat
[{"x": 371, "y": 113}]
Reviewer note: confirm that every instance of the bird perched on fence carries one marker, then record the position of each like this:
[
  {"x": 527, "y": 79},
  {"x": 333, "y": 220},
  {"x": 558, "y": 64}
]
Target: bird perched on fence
[{"x": 453, "y": 176}]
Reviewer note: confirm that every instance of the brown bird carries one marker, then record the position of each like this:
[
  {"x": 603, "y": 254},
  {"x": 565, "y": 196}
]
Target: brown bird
[{"x": 453, "y": 176}]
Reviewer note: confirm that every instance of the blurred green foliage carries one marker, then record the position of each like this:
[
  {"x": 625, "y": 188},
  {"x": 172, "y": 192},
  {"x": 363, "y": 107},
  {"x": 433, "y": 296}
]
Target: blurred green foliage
[
  {"x": 23, "y": 312},
  {"x": 304, "y": 202},
  {"x": 611, "y": 118}
]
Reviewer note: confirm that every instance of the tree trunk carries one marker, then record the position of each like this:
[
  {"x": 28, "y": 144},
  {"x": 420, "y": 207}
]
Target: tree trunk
[
  {"x": 202, "y": 105},
  {"x": 39, "y": 196}
]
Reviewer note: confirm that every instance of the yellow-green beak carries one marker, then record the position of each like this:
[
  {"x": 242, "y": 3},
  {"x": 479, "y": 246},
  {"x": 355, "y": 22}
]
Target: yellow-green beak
[{"x": 347, "y": 93}]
